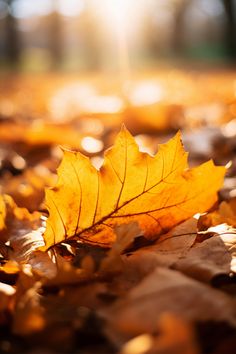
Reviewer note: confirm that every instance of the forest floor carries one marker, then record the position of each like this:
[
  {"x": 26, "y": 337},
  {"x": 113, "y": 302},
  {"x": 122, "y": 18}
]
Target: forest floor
[{"x": 152, "y": 284}]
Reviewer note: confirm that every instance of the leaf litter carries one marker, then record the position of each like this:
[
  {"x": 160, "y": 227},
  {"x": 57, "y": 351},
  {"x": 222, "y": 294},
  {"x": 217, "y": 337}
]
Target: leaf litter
[{"x": 120, "y": 263}]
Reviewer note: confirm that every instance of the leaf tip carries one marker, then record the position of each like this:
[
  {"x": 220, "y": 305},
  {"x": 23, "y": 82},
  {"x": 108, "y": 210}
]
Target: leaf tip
[
  {"x": 123, "y": 127},
  {"x": 178, "y": 136},
  {"x": 124, "y": 130},
  {"x": 125, "y": 134}
]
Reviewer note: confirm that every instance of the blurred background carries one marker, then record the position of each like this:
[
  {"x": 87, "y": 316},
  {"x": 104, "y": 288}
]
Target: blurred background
[
  {"x": 72, "y": 71},
  {"x": 88, "y": 35}
]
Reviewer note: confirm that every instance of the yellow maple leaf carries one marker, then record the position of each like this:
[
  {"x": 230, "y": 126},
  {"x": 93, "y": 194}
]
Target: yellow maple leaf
[{"x": 157, "y": 191}]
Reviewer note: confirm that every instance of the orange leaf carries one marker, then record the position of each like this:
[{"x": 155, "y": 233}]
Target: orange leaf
[{"x": 157, "y": 191}]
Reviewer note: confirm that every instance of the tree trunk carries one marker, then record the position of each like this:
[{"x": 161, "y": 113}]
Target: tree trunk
[
  {"x": 230, "y": 10},
  {"x": 12, "y": 44}
]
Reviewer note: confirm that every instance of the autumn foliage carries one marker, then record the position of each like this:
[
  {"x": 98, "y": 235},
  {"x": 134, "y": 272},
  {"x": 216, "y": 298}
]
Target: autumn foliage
[
  {"x": 156, "y": 191},
  {"x": 126, "y": 253}
]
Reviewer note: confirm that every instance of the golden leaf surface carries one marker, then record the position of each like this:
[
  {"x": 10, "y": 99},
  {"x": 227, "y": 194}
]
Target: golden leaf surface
[{"x": 157, "y": 191}]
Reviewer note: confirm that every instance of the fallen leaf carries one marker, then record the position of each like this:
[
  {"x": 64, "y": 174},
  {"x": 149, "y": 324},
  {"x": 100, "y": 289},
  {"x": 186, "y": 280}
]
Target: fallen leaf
[
  {"x": 168, "y": 248},
  {"x": 162, "y": 291},
  {"x": 212, "y": 257},
  {"x": 157, "y": 192}
]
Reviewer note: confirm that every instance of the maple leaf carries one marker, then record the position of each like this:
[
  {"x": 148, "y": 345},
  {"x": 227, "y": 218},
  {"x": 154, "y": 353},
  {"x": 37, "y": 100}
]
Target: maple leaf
[{"x": 157, "y": 191}]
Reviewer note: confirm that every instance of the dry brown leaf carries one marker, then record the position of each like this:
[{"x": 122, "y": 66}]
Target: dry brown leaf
[
  {"x": 212, "y": 257},
  {"x": 168, "y": 248},
  {"x": 164, "y": 291},
  {"x": 157, "y": 192}
]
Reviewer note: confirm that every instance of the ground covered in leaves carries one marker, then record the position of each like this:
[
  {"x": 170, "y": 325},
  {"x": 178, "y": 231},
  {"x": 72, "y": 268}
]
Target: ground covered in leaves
[{"x": 132, "y": 251}]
